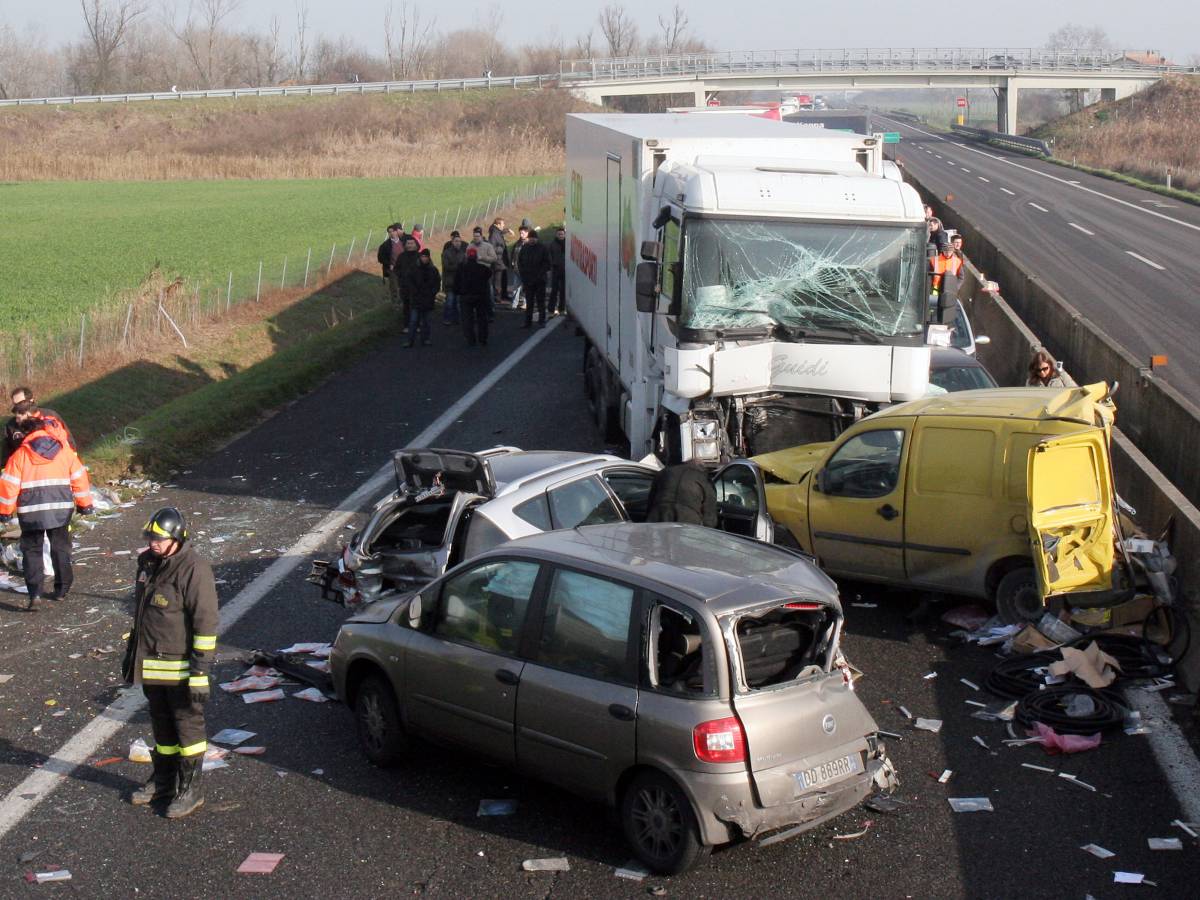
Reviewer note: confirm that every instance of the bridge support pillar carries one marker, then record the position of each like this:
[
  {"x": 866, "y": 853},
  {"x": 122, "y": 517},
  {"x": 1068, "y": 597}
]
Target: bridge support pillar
[
  {"x": 701, "y": 96},
  {"x": 1006, "y": 108}
]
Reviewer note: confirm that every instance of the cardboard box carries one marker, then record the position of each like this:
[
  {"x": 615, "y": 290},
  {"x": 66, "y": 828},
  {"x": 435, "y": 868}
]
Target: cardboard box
[
  {"x": 1133, "y": 612},
  {"x": 1030, "y": 640}
]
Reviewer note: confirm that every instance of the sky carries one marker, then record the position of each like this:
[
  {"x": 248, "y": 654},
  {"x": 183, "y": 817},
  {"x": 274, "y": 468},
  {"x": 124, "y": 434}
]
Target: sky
[{"x": 1170, "y": 26}]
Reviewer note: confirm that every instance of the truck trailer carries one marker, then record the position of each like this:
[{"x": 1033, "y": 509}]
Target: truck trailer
[{"x": 743, "y": 285}]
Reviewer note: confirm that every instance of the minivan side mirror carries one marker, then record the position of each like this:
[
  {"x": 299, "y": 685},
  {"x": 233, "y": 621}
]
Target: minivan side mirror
[
  {"x": 647, "y": 287},
  {"x": 819, "y": 482},
  {"x": 982, "y": 339},
  {"x": 414, "y": 612}
]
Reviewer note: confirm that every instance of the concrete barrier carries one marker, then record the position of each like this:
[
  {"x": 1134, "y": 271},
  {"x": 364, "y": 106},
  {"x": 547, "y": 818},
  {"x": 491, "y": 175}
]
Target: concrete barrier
[{"x": 1157, "y": 501}]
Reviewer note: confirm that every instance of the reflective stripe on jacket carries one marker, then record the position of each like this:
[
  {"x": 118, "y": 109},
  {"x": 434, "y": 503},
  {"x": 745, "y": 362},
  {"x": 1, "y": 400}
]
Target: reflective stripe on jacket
[
  {"x": 174, "y": 636},
  {"x": 44, "y": 480},
  {"x": 940, "y": 265}
]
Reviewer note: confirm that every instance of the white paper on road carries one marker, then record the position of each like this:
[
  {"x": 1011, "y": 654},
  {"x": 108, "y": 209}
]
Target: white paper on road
[
  {"x": 1097, "y": 851},
  {"x": 263, "y": 696},
  {"x": 970, "y": 804},
  {"x": 312, "y": 648},
  {"x": 632, "y": 870},
  {"x": 312, "y": 695},
  {"x": 552, "y": 864},
  {"x": 232, "y": 736},
  {"x": 1129, "y": 878},
  {"x": 934, "y": 725},
  {"x": 1165, "y": 843}
]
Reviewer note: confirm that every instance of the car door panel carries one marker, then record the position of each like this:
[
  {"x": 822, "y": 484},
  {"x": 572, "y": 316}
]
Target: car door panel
[{"x": 742, "y": 501}]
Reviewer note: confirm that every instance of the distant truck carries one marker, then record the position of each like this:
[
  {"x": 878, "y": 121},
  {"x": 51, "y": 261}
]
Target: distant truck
[{"x": 743, "y": 285}]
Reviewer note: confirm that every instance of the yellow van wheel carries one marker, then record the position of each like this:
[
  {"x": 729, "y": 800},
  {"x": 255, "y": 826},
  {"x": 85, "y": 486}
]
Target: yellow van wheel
[{"x": 1017, "y": 597}]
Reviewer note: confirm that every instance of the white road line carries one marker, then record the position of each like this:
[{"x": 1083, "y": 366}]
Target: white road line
[
  {"x": 1151, "y": 263},
  {"x": 1172, "y": 751},
  {"x": 1035, "y": 206},
  {"x": 1010, "y": 193},
  {"x": 1079, "y": 187},
  {"x": 1081, "y": 228},
  {"x": 981, "y": 178},
  {"x": 39, "y": 785}
]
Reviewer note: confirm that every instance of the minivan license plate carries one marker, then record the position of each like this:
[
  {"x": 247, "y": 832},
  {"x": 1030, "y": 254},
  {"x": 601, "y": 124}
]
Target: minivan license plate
[{"x": 826, "y": 772}]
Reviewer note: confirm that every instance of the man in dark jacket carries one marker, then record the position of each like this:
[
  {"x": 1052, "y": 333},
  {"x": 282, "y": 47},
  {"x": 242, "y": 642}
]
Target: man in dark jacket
[
  {"x": 535, "y": 266},
  {"x": 425, "y": 285},
  {"x": 497, "y": 237},
  {"x": 387, "y": 253},
  {"x": 402, "y": 272},
  {"x": 558, "y": 272},
  {"x": 169, "y": 653},
  {"x": 472, "y": 283},
  {"x": 454, "y": 254},
  {"x": 683, "y": 493}
]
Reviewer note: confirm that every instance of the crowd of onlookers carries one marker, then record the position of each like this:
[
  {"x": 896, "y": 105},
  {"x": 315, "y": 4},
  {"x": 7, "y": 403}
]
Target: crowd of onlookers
[{"x": 473, "y": 278}]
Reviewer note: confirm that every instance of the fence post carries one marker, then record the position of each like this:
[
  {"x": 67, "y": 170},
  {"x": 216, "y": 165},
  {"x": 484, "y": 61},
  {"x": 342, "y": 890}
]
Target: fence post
[
  {"x": 229, "y": 292},
  {"x": 350, "y": 252},
  {"x": 329, "y": 268},
  {"x": 125, "y": 333},
  {"x": 283, "y": 277},
  {"x": 367, "y": 242},
  {"x": 307, "y": 261},
  {"x": 456, "y": 215},
  {"x": 258, "y": 290},
  {"x": 433, "y": 224},
  {"x": 82, "y": 330}
]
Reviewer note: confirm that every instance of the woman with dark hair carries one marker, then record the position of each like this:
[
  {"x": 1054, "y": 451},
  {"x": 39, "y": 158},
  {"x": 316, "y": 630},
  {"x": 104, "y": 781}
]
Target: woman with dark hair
[{"x": 1043, "y": 371}]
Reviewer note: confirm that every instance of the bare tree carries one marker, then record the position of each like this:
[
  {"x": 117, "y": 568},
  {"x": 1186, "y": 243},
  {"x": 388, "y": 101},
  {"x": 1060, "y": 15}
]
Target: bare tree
[
  {"x": 619, "y": 29},
  {"x": 301, "y": 47},
  {"x": 266, "y": 54},
  {"x": 672, "y": 28},
  {"x": 585, "y": 45},
  {"x": 407, "y": 40},
  {"x": 1078, "y": 38},
  {"x": 108, "y": 23},
  {"x": 202, "y": 35}
]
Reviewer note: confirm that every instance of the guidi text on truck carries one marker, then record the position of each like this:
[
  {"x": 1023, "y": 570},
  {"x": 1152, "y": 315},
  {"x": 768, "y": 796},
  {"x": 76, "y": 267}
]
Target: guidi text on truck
[{"x": 781, "y": 293}]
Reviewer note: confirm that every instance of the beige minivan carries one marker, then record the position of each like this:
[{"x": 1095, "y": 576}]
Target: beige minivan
[
  {"x": 1005, "y": 494},
  {"x": 687, "y": 677}
]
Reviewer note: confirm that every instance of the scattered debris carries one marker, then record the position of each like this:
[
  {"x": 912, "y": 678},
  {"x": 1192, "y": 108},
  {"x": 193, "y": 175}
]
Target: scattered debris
[
  {"x": 260, "y": 863},
  {"x": 316, "y": 649},
  {"x": 904, "y": 712},
  {"x": 855, "y": 834},
  {"x": 107, "y": 761},
  {"x": 1165, "y": 843},
  {"x": 945, "y": 776},
  {"x": 972, "y": 685},
  {"x": 552, "y": 864},
  {"x": 1187, "y": 827},
  {"x": 312, "y": 695},
  {"x": 1056, "y": 743},
  {"x": 1074, "y": 780},
  {"x": 4, "y": 679},
  {"x": 139, "y": 751},
  {"x": 263, "y": 696},
  {"x": 1038, "y": 768},
  {"x": 632, "y": 870},
  {"x": 10, "y": 583},
  {"x": 882, "y": 803},
  {"x": 1097, "y": 851},
  {"x": 232, "y": 736},
  {"x": 1131, "y": 878},
  {"x": 1058, "y": 631},
  {"x": 496, "y": 807},
  {"x": 252, "y": 683},
  {"x": 250, "y": 751},
  {"x": 930, "y": 676},
  {"x": 981, "y": 742},
  {"x": 43, "y": 877},
  {"x": 969, "y": 617},
  {"x": 934, "y": 725},
  {"x": 970, "y": 804},
  {"x": 865, "y": 605},
  {"x": 1092, "y": 666}
]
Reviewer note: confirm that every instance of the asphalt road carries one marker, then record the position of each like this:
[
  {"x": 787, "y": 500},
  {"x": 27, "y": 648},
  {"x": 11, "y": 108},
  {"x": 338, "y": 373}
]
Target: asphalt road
[
  {"x": 1127, "y": 259},
  {"x": 348, "y": 829}
]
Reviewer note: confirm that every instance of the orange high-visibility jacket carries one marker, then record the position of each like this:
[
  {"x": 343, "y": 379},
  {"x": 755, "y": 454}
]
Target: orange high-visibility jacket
[
  {"x": 43, "y": 481},
  {"x": 940, "y": 265}
]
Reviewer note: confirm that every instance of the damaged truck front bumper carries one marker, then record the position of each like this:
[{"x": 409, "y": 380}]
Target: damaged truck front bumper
[{"x": 733, "y": 812}]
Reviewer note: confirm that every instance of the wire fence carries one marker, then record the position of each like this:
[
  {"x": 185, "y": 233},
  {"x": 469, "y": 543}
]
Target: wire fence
[{"x": 169, "y": 308}]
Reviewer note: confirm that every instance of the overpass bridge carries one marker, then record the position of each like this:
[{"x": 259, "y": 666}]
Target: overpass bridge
[{"x": 1005, "y": 70}]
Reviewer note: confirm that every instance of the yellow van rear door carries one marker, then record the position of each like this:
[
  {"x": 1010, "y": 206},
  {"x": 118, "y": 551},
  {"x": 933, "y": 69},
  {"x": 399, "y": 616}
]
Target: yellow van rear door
[{"x": 1071, "y": 513}]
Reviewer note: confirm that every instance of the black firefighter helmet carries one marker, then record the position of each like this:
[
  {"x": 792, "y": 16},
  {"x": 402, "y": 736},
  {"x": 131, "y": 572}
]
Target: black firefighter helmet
[{"x": 166, "y": 523}]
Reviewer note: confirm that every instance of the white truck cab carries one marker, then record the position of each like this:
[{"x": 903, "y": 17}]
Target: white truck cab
[{"x": 744, "y": 285}]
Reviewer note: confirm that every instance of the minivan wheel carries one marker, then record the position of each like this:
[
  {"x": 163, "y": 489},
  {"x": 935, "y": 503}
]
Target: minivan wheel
[
  {"x": 378, "y": 722},
  {"x": 660, "y": 825},
  {"x": 1017, "y": 597}
]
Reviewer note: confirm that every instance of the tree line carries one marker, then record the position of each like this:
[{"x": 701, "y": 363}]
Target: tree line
[{"x": 129, "y": 46}]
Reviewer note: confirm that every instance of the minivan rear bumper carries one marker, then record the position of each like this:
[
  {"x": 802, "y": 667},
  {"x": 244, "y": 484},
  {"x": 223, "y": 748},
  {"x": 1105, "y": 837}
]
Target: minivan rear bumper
[{"x": 726, "y": 804}]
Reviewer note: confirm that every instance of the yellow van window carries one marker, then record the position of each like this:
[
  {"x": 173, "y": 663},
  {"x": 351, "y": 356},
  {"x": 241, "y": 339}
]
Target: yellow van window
[
  {"x": 1017, "y": 464},
  {"x": 955, "y": 461}
]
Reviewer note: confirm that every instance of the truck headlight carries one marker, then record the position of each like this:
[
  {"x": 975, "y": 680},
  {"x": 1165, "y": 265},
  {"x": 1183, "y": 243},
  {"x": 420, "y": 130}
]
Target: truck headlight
[{"x": 706, "y": 439}]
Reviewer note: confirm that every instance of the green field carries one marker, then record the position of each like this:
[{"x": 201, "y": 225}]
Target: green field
[{"x": 69, "y": 247}]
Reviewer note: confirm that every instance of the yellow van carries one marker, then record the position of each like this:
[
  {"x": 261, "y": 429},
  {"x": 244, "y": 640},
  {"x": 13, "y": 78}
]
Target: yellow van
[{"x": 1004, "y": 494}]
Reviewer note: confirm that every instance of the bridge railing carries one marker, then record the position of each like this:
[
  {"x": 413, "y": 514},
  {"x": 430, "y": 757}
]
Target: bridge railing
[
  {"x": 301, "y": 90},
  {"x": 733, "y": 62}
]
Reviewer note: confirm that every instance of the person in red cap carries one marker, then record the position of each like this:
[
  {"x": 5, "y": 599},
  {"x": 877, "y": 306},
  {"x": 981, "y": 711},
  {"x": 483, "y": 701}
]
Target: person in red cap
[{"x": 471, "y": 283}]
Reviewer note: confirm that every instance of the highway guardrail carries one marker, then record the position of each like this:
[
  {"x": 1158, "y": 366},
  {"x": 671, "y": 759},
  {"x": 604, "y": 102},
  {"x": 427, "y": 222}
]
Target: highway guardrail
[{"x": 1015, "y": 141}]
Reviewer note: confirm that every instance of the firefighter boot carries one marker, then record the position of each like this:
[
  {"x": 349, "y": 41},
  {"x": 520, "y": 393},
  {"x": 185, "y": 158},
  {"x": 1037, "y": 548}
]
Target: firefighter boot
[
  {"x": 161, "y": 785},
  {"x": 189, "y": 798}
]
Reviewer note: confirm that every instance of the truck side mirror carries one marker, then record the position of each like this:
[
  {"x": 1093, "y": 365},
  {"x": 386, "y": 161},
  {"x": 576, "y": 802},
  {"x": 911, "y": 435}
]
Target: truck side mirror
[
  {"x": 651, "y": 250},
  {"x": 647, "y": 287}
]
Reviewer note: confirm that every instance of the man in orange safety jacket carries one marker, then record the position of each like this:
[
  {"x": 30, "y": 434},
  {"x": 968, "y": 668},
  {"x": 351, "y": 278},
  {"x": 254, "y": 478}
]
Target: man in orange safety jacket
[{"x": 43, "y": 483}]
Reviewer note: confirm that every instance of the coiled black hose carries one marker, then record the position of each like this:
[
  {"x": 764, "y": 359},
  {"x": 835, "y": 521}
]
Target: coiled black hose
[
  {"x": 1015, "y": 677},
  {"x": 1138, "y": 657},
  {"x": 1049, "y": 707}
]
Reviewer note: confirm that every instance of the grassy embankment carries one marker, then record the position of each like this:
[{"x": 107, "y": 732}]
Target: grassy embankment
[
  {"x": 1137, "y": 140},
  {"x": 183, "y": 402}
]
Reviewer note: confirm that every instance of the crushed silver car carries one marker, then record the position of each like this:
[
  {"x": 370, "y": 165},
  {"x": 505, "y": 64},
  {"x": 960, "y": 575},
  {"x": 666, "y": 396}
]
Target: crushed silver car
[{"x": 689, "y": 678}]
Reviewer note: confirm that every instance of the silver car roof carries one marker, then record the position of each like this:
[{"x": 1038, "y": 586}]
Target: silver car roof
[
  {"x": 512, "y": 470},
  {"x": 724, "y": 571}
]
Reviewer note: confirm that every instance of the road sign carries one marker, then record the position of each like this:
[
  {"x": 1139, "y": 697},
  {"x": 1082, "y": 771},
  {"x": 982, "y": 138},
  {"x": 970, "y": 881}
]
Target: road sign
[
  {"x": 962, "y": 101},
  {"x": 891, "y": 137}
]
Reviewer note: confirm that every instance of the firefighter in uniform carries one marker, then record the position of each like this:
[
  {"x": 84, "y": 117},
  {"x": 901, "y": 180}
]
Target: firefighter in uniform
[{"x": 170, "y": 651}]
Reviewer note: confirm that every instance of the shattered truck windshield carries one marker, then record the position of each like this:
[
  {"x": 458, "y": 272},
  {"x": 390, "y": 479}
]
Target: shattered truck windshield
[{"x": 802, "y": 277}]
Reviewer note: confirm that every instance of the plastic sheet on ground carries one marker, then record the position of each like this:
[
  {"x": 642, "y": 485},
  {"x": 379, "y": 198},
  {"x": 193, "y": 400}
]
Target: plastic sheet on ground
[
  {"x": 44, "y": 877},
  {"x": 232, "y": 736},
  {"x": 1172, "y": 843},
  {"x": 260, "y": 863},
  {"x": 991, "y": 633},
  {"x": 312, "y": 695},
  {"x": 250, "y": 751},
  {"x": 1097, "y": 851},
  {"x": 552, "y": 864},
  {"x": 251, "y": 683},
  {"x": 969, "y": 617},
  {"x": 264, "y": 696},
  {"x": 1092, "y": 666},
  {"x": 970, "y": 804},
  {"x": 632, "y": 871},
  {"x": 934, "y": 725},
  {"x": 315, "y": 649},
  {"x": 11, "y": 583},
  {"x": 1056, "y": 743},
  {"x": 139, "y": 751}
]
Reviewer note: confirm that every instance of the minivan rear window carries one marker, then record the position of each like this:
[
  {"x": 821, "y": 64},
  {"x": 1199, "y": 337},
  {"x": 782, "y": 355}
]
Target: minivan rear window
[{"x": 783, "y": 643}]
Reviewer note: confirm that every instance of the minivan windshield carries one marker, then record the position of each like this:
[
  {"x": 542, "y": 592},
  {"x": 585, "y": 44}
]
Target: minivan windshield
[{"x": 810, "y": 280}]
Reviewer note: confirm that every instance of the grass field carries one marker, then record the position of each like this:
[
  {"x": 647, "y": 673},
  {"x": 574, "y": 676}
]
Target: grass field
[{"x": 73, "y": 246}]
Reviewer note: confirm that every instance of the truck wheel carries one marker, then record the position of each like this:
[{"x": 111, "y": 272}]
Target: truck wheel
[
  {"x": 660, "y": 825},
  {"x": 378, "y": 722},
  {"x": 1017, "y": 597}
]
